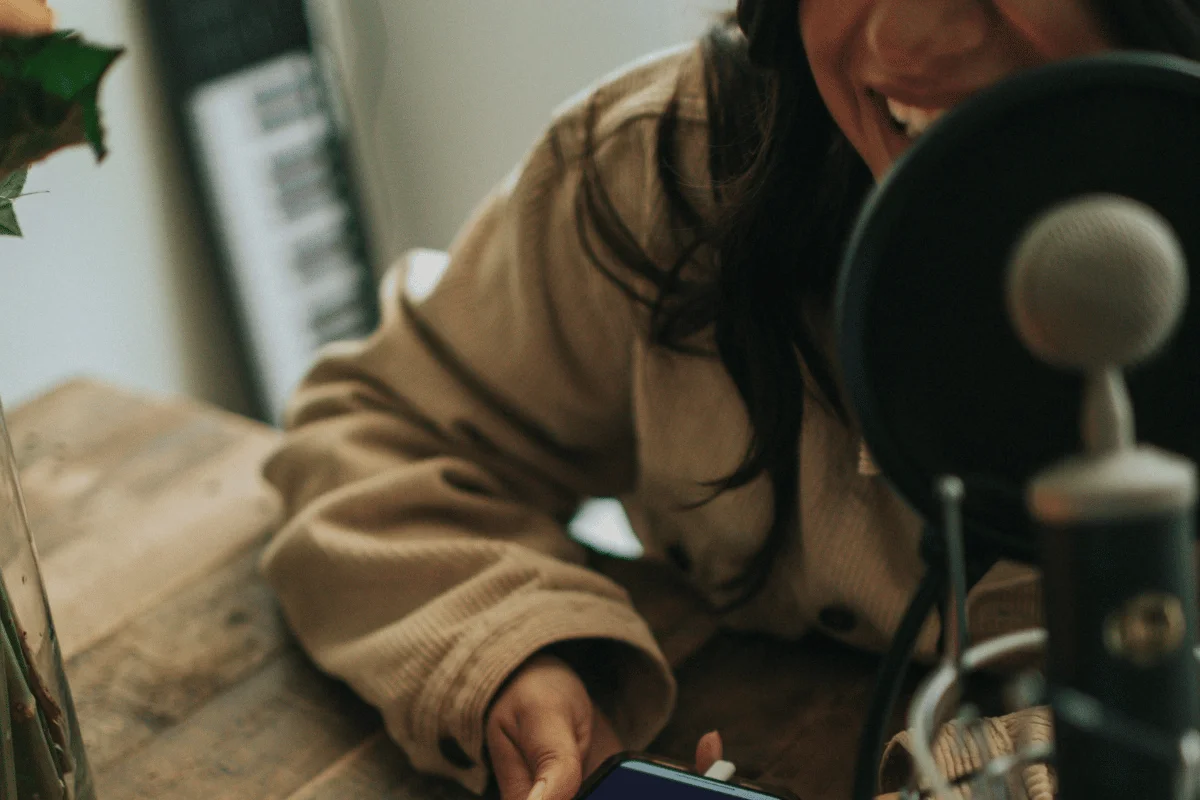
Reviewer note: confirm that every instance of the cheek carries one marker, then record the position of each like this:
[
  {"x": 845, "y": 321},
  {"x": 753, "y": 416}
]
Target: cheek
[
  {"x": 1056, "y": 30},
  {"x": 828, "y": 29}
]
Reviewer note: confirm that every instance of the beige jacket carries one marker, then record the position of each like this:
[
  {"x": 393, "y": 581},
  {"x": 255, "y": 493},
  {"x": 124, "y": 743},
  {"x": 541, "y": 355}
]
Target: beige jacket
[{"x": 429, "y": 471}]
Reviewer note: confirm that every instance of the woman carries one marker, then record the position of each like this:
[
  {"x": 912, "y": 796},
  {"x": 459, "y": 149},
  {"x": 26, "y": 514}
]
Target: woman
[{"x": 641, "y": 311}]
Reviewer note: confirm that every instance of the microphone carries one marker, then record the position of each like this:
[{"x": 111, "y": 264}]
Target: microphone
[{"x": 1097, "y": 285}]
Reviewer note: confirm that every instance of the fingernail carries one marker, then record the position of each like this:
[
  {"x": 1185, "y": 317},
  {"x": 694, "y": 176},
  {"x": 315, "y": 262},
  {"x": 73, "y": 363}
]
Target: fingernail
[{"x": 538, "y": 790}]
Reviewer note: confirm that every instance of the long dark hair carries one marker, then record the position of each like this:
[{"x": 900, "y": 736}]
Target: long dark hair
[{"x": 788, "y": 187}]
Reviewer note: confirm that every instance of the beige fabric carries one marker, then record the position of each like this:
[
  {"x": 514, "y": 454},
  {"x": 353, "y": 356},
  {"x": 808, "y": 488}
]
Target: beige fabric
[
  {"x": 429, "y": 471},
  {"x": 866, "y": 463}
]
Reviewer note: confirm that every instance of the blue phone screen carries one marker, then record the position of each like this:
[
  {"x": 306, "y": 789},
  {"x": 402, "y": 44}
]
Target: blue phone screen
[{"x": 639, "y": 780}]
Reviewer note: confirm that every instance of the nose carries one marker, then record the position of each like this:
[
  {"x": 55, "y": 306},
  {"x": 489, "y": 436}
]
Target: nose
[{"x": 920, "y": 37}]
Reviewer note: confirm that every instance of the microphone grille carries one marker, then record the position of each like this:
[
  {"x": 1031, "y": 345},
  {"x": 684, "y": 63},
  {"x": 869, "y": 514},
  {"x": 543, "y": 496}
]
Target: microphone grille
[{"x": 1100, "y": 281}]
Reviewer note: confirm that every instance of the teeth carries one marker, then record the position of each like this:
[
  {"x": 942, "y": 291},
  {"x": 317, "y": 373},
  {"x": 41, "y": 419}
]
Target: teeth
[{"x": 914, "y": 120}]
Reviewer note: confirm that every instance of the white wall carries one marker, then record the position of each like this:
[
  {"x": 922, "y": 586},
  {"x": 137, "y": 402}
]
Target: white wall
[
  {"x": 111, "y": 280},
  {"x": 447, "y": 95}
]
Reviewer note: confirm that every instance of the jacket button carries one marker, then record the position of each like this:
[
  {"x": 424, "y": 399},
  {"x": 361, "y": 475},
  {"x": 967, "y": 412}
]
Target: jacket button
[
  {"x": 452, "y": 751},
  {"x": 838, "y": 619},
  {"x": 679, "y": 557}
]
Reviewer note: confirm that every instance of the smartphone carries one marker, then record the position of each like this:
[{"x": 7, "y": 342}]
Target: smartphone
[{"x": 631, "y": 776}]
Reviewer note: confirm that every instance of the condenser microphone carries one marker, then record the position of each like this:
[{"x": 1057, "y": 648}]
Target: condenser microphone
[
  {"x": 1096, "y": 282},
  {"x": 1098, "y": 285}
]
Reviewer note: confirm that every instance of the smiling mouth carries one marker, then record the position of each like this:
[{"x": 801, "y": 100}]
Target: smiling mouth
[{"x": 906, "y": 120}]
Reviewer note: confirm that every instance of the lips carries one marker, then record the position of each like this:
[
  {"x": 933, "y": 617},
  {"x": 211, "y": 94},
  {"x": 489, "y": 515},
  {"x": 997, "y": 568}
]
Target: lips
[
  {"x": 912, "y": 115},
  {"x": 915, "y": 121}
]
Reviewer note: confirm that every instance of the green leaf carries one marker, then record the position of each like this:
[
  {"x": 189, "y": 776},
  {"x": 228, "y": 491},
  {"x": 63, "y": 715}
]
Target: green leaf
[
  {"x": 8, "y": 221},
  {"x": 66, "y": 66},
  {"x": 12, "y": 186},
  {"x": 93, "y": 131},
  {"x": 49, "y": 88}
]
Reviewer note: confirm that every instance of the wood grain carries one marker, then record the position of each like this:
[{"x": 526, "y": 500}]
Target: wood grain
[
  {"x": 130, "y": 499},
  {"x": 377, "y": 769},
  {"x": 264, "y": 739},
  {"x": 162, "y": 667},
  {"x": 789, "y": 713}
]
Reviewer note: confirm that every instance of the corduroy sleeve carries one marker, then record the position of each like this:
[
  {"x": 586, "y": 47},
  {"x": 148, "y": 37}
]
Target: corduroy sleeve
[{"x": 428, "y": 471}]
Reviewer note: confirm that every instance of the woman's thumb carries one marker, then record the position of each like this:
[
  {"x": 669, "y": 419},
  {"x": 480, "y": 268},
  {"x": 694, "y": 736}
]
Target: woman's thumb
[{"x": 554, "y": 754}]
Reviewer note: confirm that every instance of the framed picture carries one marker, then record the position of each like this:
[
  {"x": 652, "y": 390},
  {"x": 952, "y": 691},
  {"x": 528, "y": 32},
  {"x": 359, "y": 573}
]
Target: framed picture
[{"x": 268, "y": 163}]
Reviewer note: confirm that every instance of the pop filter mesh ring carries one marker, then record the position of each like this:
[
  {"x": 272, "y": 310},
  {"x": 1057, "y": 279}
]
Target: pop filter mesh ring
[{"x": 1000, "y": 520}]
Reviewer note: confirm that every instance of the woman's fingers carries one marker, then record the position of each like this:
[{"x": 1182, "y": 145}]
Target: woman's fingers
[
  {"x": 508, "y": 763},
  {"x": 539, "y": 730},
  {"x": 709, "y": 750},
  {"x": 544, "y": 735},
  {"x": 605, "y": 743},
  {"x": 537, "y": 758},
  {"x": 553, "y": 753}
]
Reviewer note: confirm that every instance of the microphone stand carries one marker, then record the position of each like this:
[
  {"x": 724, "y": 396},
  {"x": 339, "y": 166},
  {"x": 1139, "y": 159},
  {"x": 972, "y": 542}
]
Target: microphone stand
[{"x": 1117, "y": 528}]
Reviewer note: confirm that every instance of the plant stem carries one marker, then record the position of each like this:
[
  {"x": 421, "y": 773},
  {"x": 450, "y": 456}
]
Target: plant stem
[
  {"x": 20, "y": 699},
  {"x": 29, "y": 733},
  {"x": 37, "y": 720},
  {"x": 8, "y": 764},
  {"x": 53, "y": 718}
]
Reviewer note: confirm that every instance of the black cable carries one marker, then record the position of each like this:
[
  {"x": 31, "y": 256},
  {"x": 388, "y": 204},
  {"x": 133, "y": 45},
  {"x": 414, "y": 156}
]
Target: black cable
[{"x": 891, "y": 678}]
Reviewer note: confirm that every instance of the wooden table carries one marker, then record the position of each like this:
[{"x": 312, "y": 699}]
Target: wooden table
[{"x": 149, "y": 517}]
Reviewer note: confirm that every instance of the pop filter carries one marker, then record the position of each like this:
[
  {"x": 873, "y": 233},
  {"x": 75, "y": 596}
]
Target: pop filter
[{"x": 935, "y": 373}]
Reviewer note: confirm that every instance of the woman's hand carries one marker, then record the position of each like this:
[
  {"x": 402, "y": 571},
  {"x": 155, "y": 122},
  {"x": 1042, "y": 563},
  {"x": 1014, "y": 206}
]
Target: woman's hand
[
  {"x": 25, "y": 17},
  {"x": 544, "y": 735}
]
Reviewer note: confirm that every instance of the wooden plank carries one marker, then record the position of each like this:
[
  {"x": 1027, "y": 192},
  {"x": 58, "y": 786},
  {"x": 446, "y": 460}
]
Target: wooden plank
[
  {"x": 264, "y": 739},
  {"x": 70, "y": 445},
  {"x": 172, "y": 660},
  {"x": 789, "y": 713},
  {"x": 74, "y": 441},
  {"x": 378, "y": 769},
  {"x": 132, "y": 498}
]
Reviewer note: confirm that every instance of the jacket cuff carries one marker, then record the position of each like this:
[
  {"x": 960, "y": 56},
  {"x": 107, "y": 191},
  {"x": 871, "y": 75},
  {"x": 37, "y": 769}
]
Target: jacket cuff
[
  {"x": 639, "y": 691},
  {"x": 958, "y": 754}
]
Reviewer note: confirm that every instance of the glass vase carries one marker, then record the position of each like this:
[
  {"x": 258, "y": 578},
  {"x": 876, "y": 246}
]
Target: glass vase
[{"x": 41, "y": 750}]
